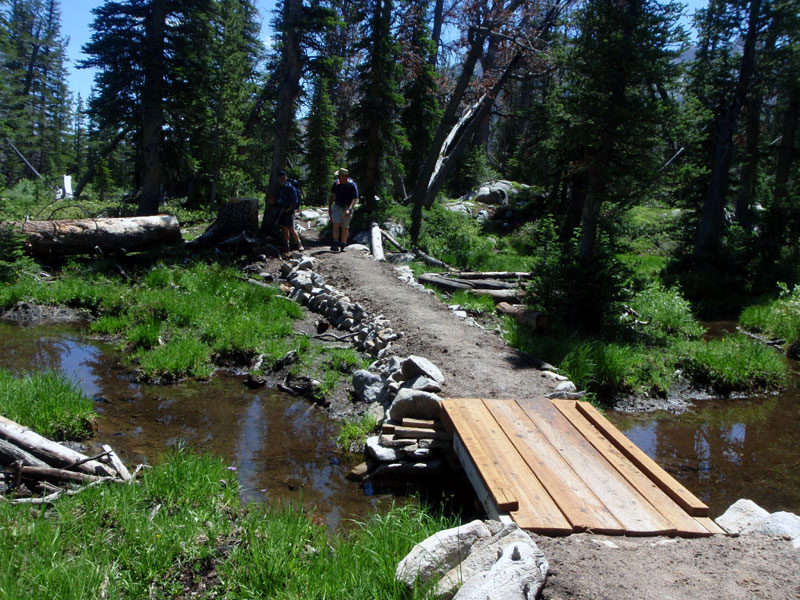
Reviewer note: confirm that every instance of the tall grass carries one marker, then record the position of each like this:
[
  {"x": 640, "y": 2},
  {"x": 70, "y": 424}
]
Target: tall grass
[
  {"x": 175, "y": 322},
  {"x": 182, "y": 532},
  {"x": 46, "y": 402},
  {"x": 779, "y": 318}
]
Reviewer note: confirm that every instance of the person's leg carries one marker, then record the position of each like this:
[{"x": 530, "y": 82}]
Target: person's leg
[
  {"x": 296, "y": 238},
  {"x": 285, "y": 234},
  {"x": 345, "y": 231}
]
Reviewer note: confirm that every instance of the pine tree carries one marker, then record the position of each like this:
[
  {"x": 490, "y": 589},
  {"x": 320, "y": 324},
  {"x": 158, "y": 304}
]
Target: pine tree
[
  {"x": 612, "y": 118},
  {"x": 323, "y": 150},
  {"x": 373, "y": 155},
  {"x": 421, "y": 113}
]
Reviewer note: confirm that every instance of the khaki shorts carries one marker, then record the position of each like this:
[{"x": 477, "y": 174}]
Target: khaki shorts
[{"x": 338, "y": 216}]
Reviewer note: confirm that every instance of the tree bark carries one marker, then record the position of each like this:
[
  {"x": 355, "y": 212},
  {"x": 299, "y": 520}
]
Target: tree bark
[
  {"x": 786, "y": 151},
  {"x": 291, "y": 69},
  {"x": 709, "y": 228},
  {"x": 47, "y": 450},
  {"x": 84, "y": 236},
  {"x": 152, "y": 108}
]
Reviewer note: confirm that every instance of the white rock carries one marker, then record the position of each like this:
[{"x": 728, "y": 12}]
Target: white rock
[
  {"x": 519, "y": 573},
  {"x": 783, "y": 524},
  {"x": 740, "y": 515},
  {"x": 422, "y": 383},
  {"x": 440, "y": 553},
  {"x": 566, "y": 386},
  {"x": 418, "y": 365},
  {"x": 374, "y": 449}
]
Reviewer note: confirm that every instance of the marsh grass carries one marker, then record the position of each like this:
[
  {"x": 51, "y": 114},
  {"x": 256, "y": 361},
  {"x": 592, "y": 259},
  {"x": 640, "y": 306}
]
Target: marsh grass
[
  {"x": 779, "y": 318},
  {"x": 354, "y": 433},
  {"x": 175, "y": 322},
  {"x": 46, "y": 402},
  {"x": 472, "y": 303},
  {"x": 659, "y": 342},
  {"x": 181, "y": 526}
]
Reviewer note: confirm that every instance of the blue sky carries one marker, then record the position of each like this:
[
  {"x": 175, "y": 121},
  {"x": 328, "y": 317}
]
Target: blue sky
[{"x": 76, "y": 16}]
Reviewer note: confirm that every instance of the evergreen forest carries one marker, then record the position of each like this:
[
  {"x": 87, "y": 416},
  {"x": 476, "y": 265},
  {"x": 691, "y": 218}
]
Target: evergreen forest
[{"x": 597, "y": 108}]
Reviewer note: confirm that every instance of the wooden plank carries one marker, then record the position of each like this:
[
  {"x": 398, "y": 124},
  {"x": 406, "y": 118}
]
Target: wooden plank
[
  {"x": 688, "y": 501},
  {"x": 493, "y": 478},
  {"x": 710, "y": 525},
  {"x": 475, "y": 478},
  {"x": 536, "y": 510},
  {"x": 388, "y": 428},
  {"x": 577, "y": 502},
  {"x": 424, "y": 423},
  {"x": 629, "y": 507},
  {"x": 419, "y": 433},
  {"x": 682, "y": 521}
]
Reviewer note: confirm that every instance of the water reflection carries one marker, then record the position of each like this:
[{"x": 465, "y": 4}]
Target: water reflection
[
  {"x": 724, "y": 450},
  {"x": 280, "y": 447}
]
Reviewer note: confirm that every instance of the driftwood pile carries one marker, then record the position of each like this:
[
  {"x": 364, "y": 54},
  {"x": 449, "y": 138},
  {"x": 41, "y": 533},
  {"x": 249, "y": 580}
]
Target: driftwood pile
[{"x": 40, "y": 470}]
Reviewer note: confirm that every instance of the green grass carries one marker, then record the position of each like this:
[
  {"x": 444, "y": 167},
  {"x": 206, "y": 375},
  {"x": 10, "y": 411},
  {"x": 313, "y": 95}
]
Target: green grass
[
  {"x": 163, "y": 536},
  {"x": 354, "y": 433},
  {"x": 779, "y": 318},
  {"x": 175, "y": 322},
  {"x": 48, "y": 403},
  {"x": 472, "y": 303},
  {"x": 660, "y": 342}
]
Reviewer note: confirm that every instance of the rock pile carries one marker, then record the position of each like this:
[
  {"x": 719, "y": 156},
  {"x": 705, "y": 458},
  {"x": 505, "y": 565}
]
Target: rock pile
[
  {"x": 371, "y": 334},
  {"x": 479, "y": 560},
  {"x": 745, "y": 517}
]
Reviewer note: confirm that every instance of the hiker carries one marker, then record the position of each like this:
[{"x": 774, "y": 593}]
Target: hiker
[
  {"x": 287, "y": 203},
  {"x": 344, "y": 194}
]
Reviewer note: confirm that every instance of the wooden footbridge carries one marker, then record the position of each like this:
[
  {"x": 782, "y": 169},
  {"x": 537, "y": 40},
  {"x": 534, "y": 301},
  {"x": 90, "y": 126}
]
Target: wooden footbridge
[{"x": 559, "y": 466}]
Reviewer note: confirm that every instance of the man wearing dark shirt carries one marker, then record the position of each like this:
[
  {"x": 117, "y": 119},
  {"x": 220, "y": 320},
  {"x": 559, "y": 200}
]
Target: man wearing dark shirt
[
  {"x": 287, "y": 201},
  {"x": 344, "y": 194}
]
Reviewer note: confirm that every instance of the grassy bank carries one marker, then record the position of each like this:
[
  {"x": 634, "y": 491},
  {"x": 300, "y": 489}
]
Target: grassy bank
[
  {"x": 181, "y": 530},
  {"x": 649, "y": 340},
  {"x": 779, "y": 318}
]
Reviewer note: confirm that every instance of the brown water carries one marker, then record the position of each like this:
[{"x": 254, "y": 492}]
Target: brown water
[
  {"x": 279, "y": 447},
  {"x": 723, "y": 450}
]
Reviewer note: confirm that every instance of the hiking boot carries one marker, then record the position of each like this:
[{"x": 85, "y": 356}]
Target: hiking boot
[
  {"x": 334, "y": 247},
  {"x": 341, "y": 247},
  {"x": 300, "y": 248}
]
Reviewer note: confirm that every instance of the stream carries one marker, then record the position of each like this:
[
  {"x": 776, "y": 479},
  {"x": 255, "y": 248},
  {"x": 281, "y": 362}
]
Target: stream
[{"x": 281, "y": 448}]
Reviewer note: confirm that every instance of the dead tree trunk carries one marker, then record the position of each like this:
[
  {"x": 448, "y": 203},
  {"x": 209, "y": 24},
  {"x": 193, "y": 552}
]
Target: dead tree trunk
[{"x": 85, "y": 236}]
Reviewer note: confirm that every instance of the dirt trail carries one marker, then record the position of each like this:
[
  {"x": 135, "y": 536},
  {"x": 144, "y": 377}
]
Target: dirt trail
[
  {"x": 474, "y": 361},
  {"x": 478, "y": 363}
]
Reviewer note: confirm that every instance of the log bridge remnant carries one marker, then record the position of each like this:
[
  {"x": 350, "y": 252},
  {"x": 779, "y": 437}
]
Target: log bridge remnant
[{"x": 559, "y": 466}]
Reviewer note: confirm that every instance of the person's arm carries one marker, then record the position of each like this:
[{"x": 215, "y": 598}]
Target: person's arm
[
  {"x": 331, "y": 197},
  {"x": 355, "y": 197}
]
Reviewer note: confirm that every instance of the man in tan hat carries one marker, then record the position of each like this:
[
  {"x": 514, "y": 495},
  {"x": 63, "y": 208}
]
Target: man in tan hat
[{"x": 341, "y": 201}]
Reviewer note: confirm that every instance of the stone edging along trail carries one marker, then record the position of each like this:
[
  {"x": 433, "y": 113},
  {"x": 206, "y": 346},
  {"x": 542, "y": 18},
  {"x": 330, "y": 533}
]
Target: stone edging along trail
[{"x": 441, "y": 355}]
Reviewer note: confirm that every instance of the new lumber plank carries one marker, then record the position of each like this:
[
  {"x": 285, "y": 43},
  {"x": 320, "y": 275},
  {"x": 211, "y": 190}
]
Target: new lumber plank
[
  {"x": 627, "y": 505},
  {"x": 680, "y": 519},
  {"x": 418, "y": 433},
  {"x": 423, "y": 423},
  {"x": 574, "y": 498},
  {"x": 536, "y": 510},
  {"x": 492, "y": 477},
  {"x": 688, "y": 501},
  {"x": 709, "y": 524}
]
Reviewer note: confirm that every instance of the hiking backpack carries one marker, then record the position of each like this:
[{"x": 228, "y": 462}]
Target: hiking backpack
[{"x": 298, "y": 190}]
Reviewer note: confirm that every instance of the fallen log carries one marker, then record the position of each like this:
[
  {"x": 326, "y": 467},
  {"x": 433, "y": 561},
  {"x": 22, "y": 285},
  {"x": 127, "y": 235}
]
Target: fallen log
[
  {"x": 444, "y": 282},
  {"x": 118, "y": 465},
  {"x": 430, "y": 260},
  {"x": 106, "y": 235},
  {"x": 533, "y": 319},
  {"x": 37, "y": 473},
  {"x": 490, "y": 274},
  {"x": 375, "y": 242},
  {"x": 50, "y": 452},
  {"x": 392, "y": 241},
  {"x": 512, "y": 295},
  {"x": 10, "y": 453}
]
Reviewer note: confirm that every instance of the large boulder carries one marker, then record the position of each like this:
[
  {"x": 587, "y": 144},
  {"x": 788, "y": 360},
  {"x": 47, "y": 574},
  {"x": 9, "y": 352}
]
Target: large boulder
[
  {"x": 370, "y": 387},
  {"x": 415, "y": 404},
  {"x": 440, "y": 553},
  {"x": 414, "y": 366},
  {"x": 518, "y": 574},
  {"x": 740, "y": 515}
]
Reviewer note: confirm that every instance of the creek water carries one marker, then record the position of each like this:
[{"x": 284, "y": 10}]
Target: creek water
[
  {"x": 726, "y": 449},
  {"x": 279, "y": 447}
]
